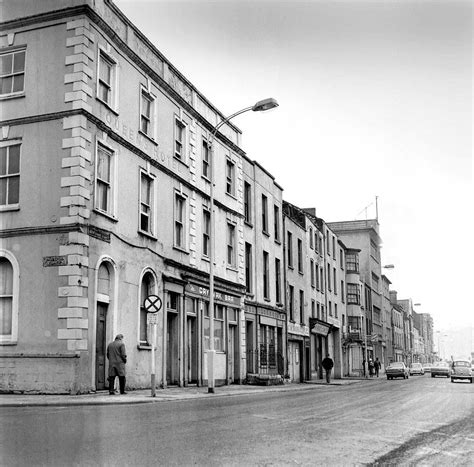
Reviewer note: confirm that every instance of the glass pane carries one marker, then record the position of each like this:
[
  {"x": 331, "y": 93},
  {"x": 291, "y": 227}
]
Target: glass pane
[
  {"x": 146, "y": 105},
  {"x": 14, "y": 159},
  {"x": 103, "y": 166},
  {"x": 6, "y": 85},
  {"x": 13, "y": 190},
  {"x": 103, "y": 280},
  {"x": 3, "y": 191},
  {"x": 206, "y": 333},
  {"x": 102, "y": 196},
  {"x": 19, "y": 62},
  {"x": 5, "y": 316},
  {"x": 18, "y": 82},
  {"x": 218, "y": 335},
  {"x": 144, "y": 221},
  {"x": 146, "y": 185},
  {"x": 105, "y": 70},
  {"x": 145, "y": 125},
  {"x": 103, "y": 92},
  {"x": 6, "y": 277},
  {"x": 3, "y": 161},
  {"x": 143, "y": 325},
  {"x": 6, "y": 63}
]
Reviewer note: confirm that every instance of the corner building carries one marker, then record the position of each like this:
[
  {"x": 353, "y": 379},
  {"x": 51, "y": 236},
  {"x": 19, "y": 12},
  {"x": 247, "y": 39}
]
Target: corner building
[{"x": 106, "y": 172}]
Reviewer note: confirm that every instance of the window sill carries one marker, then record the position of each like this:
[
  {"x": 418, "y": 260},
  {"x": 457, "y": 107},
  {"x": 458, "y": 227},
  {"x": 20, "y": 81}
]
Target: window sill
[
  {"x": 206, "y": 258},
  {"x": 181, "y": 249},
  {"x": 10, "y": 207},
  {"x": 180, "y": 160},
  {"x": 148, "y": 235},
  {"x": 109, "y": 107},
  {"x": 231, "y": 267},
  {"x": 106, "y": 214},
  {"x": 264, "y": 232},
  {"x": 279, "y": 305},
  {"x": 12, "y": 96},
  {"x": 9, "y": 342},
  {"x": 248, "y": 224},
  {"x": 266, "y": 299},
  {"x": 148, "y": 137},
  {"x": 301, "y": 273},
  {"x": 207, "y": 179},
  {"x": 144, "y": 347},
  {"x": 291, "y": 267},
  {"x": 232, "y": 195},
  {"x": 277, "y": 241}
]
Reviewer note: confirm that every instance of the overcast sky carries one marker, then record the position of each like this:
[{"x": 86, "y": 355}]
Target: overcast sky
[{"x": 375, "y": 100}]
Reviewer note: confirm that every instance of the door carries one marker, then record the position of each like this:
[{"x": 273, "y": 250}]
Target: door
[
  {"x": 172, "y": 343},
  {"x": 100, "y": 346},
  {"x": 249, "y": 339},
  {"x": 192, "y": 351},
  {"x": 232, "y": 355},
  {"x": 294, "y": 366}
]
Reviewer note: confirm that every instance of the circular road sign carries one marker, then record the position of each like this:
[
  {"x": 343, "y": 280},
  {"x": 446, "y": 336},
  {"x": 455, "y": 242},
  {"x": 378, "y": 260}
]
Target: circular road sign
[{"x": 152, "y": 304}]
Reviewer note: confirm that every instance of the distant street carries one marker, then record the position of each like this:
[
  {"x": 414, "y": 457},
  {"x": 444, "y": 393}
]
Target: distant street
[{"x": 421, "y": 420}]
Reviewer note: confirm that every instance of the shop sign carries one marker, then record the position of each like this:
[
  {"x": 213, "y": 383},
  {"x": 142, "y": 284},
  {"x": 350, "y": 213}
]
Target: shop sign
[
  {"x": 270, "y": 314},
  {"x": 218, "y": 296},
  {"x": 50, "y": 261},
  {"x": 299, "y": 329},
  {"x": 319, "y": 328}
]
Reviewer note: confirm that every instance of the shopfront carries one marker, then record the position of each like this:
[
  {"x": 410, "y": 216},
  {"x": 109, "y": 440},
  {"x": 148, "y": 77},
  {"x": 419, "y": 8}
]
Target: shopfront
[{"x": 319, "y": 331}]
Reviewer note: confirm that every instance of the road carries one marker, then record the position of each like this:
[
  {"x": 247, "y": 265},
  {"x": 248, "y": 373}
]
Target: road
[{"x": 423, "y": 420}]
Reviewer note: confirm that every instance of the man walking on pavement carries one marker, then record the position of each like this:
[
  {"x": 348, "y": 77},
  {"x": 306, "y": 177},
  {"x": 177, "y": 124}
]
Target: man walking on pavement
[
  {"x": 117, "y": 357},
  {"x": 378, "y": 365},
  {"x": 327, "y": 364}
]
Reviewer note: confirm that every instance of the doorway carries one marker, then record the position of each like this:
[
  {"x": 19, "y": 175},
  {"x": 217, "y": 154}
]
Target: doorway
[
  {"x": 232, "y": 355},
  {"x": 100, "y": 346},
  {"x": 249, "y": 339},
  {"x": 191, "y": 351},
  {"x": 172, "y": 347},
  {"x": 294, "y": 363}
]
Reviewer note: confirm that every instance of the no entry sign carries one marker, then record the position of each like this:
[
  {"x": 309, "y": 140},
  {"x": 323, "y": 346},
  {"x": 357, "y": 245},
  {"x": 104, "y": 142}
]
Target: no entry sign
[{"x": 152, "y": 304}]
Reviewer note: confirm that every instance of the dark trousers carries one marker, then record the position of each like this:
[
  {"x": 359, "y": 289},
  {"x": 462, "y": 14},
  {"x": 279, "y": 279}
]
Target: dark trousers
[
  {"x": 112, "y": 384},
  {"x": 328, "y": 376}
]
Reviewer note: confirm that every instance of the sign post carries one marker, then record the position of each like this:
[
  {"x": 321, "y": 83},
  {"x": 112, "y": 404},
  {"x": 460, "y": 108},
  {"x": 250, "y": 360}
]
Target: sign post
[{"x": 152, "y": 305}]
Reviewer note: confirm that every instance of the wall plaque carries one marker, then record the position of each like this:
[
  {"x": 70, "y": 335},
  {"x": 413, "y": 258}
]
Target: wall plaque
[{"x": 50, "y": 261}]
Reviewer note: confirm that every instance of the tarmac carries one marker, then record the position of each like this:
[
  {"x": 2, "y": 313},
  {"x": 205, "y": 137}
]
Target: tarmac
[{"x": 173, "y": 393}]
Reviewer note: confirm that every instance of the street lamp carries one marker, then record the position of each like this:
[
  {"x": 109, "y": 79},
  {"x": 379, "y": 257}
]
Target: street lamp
[{"x": 260, "y": 106}]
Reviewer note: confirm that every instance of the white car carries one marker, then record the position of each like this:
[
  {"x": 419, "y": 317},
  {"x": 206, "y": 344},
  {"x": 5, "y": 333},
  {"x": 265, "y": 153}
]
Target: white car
[{"x": 417, "y": 369}]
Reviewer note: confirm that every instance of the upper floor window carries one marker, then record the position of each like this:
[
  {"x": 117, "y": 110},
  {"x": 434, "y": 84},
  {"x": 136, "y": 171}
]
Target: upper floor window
[
  {"x": 352, "y": 262},
  {"x": 248, "y": 267},
  {"x": 264, "y": 214},
  {"x": 301, "y": 307},
  {"x": 179, "y": 221},
  {"x": 328, "y": 244},
  {"x": 311, "y": 238},
  {"x": 104, "y": 179},
  {"x": 353, "y": 294},
  {"x": 341, "y": 258},
  {"x": 334, "y": 280},
  {"x": 179, "y": 140},
  {"x": 12, "y": 72},
  {"x": 230, "y": 177},
  {"x": 290, "y": 249},
  {"x": 334, "y": 253},
  {"x": 147, "y": 109},
  {"x": 311, "y": 270},
  {"x": 266, "y": 276},
  {"x": 206, "y": 232},
  {"x": 247, "y": 202},
  {"x": 300, "y": 256},
  {"x": 9, "y": 174},
  {"x": 206, "y": 169},
  {"x": 291, "y": 302},
  {"x": 231, "y": 244},
  {"x": 146, "y": 203},
  {"x": 374, "y": 251},
  {"x": 9, "y": 277},
  {"x": 328, "y": 277},
  {"x": 276, "y": 222},
  {"x": 277, "y": 281},
  {"x": 107, "y": 75}
]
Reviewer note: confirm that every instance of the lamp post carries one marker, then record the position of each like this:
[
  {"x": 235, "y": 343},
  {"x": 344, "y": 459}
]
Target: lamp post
[{"x": 260, "y": 106}]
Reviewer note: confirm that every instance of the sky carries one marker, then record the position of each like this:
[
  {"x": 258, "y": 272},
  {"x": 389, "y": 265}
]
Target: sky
[{"x": 375, "y": 101}]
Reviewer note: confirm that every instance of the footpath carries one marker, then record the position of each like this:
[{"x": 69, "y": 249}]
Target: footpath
[{"x": 173, "y": 393}]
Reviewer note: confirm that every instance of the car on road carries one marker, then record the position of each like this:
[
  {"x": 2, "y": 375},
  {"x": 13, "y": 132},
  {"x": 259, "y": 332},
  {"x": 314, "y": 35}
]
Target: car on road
[
  {"x": 417, "y": 369},
  {"x": 440, "y": 369},
  {"x": 397, "y": 370},
  {"x": 461, "y": 369},
  {"x": 427, "y": 367}
]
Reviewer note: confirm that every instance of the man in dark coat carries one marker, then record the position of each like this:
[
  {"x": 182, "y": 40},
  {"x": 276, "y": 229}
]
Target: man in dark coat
[
  {"x": 117, "y": 358},
  {"x": 327, "y": 364}
]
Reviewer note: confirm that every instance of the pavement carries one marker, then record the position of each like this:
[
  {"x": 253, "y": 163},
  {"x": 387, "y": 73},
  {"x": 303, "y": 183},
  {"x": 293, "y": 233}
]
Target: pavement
[{"x": 143, "y": 396}]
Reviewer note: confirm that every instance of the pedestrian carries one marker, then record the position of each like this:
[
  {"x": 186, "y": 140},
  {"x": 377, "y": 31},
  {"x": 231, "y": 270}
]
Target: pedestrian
[
  {"x": 327, "y": 364},
  {"x": 364, "y": 366},
  {"x": 371, "y": 367},
  {"x": 377, "y": 366},
  {"x": 117, "y": 357}
]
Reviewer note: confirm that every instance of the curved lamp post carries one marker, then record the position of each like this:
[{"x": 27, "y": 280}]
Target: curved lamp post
[{"x": 260, "y": 106}]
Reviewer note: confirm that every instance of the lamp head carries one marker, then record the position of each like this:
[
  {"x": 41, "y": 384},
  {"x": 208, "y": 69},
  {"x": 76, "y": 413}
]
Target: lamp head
[{"x": 265, "y": 104}]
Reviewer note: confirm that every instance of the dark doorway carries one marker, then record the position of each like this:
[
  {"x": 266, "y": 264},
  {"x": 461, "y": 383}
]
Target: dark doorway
[
  {"x": 100, "y": 346},
  {"x": 192, "y": 351}
]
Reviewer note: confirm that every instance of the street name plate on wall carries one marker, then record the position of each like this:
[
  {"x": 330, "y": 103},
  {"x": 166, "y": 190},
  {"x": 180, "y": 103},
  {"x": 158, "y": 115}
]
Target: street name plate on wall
[
  {"x": 97, "y": 232},
  {"x": 50, "y": 261}
]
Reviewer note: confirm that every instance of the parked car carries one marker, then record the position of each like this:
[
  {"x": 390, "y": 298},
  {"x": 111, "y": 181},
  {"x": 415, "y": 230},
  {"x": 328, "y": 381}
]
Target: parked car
[
  {"x": 427, "y": 367},
  {"x": 440, "y": 369},
  {"x": 461, "y": 369},
  {"x": 416, "y": 369},
  {"x": 397, "y": 370}
]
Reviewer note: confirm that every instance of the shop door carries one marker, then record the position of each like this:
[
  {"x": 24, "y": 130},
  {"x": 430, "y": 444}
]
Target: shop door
[
  {"x": 172, "y": 347},
  {"x": 100, "y": 346},
  {"x": 232, "y": 355},
  {"x": 295, "y": 365},
  {"x": 249, "y": 339},
  {"x": 191, "y": 350}
]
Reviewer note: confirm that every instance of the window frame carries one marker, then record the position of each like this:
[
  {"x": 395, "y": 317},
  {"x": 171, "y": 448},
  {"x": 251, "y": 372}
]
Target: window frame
[
  {"x": 113, "y": 85},
  {"x": 206, "y": 159},
  {"x": 151, "y": 216},
  {"x": 147, "y": 94},
  {"x": 266, "y": 275},
  {"x": 265, "y": 215},
  {"x": 277, "y": 281},
  {"x": 110, "y": 211},
  {"x": 181, "y": 222},
  {"x": 276, "y": 223},
  {"x": 299, "y": 251},
  {"x": 141, "y": 308},
  {"x": 181, "y": 154},
  {"x": 231, "y": 246},
  {"x": 206, "y": 232},
  {"x": 289, "y": 249},
  {"x": 247, "y": 202},
  {"x": 248, "y": 268},
  {"x": 230, "y": 177},
  {"x": 12, "y": 51},
  {"x": 7, "y": 176},
  {"x": 12, "y": 338}
]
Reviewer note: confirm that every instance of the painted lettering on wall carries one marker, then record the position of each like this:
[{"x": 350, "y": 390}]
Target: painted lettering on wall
[{"x": 50, "y": 261}]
